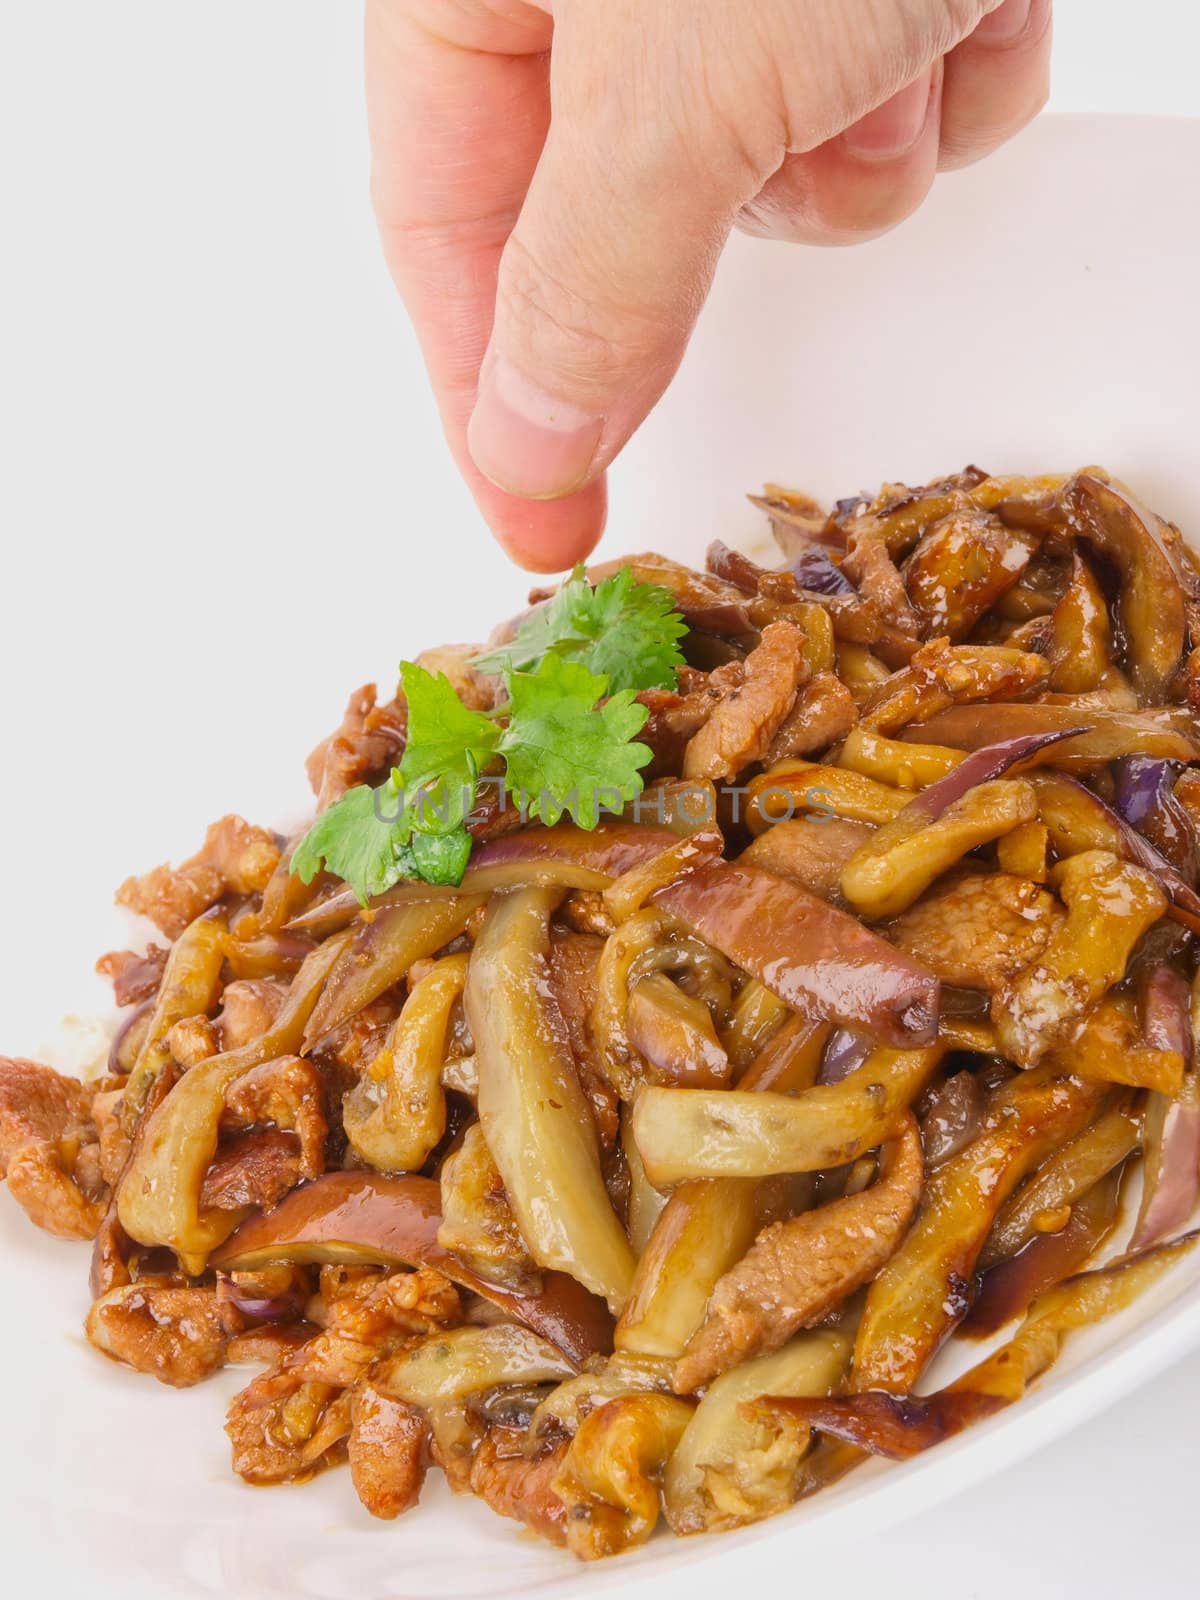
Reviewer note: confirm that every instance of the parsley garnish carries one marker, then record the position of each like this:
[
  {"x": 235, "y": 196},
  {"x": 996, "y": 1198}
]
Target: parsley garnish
[
  {"x": 624, "y": 631},
  {"x": 565, "y": 735}
]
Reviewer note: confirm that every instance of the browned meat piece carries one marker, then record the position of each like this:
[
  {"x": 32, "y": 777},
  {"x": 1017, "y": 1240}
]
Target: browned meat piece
[
  {"x": 475, "y": 689},
  {"x": 520, "y": 1486},
  {"x": 193, "y": 1040},
  {"x": 741, "y": 728},
  {"x": 252, "y": 1169},
  {"x": 248, "y": 1008},
  {"x": 675, "y": 718},
  {"x": 585, "y": 911},
  {"x": 290, "y": 1092},
  {"x": 235, "y": 856},
  {"x": 37, "y": 1103},
  {"x": 361, "y": 748},
  {"x": 284, "y": 1425},
  {"x": 574, "y": 958},
  {"x": 113, "y": 1136},
  {"x": 824, "y": 712},
  {"x": 798, "y": 1271},
  {"x": 961, "y": 567},
  {"x": 50, "y": 1196},
  {"x": 810, "y": 850},
  {"x": 176, "y": 1335},
  {"x": 979, "y": 929},
  {"x": 388, "y": 1448},
  {"x": 268, "y": 1342},
  {"x": 876, "y": 576},
  {"x": 133, "y": 977}
]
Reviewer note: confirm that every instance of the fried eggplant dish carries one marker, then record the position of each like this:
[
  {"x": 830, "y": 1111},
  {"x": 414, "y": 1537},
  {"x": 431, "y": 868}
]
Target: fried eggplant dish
[{"x": 685, "y": 1011}]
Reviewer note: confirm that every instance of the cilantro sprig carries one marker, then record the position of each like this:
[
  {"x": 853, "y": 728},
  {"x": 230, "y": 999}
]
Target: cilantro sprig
[
  {"x": 563, "y": 742},
  {"x": 624, "y": 631}
]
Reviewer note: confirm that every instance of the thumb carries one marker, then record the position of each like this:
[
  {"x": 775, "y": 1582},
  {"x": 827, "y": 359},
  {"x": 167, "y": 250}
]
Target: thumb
[{"x": 601, "y": 279}]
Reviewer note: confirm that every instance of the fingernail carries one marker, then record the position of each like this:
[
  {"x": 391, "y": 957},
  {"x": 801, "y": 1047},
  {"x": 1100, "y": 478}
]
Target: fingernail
[
  {"x": 893, "y": 128},
  {"x": 525, "y": 440},
  {"x": 1006, "y": 23}
]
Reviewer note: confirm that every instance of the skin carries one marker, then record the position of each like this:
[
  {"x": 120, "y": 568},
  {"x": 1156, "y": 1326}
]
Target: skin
[{"x": 554, "y": 264}]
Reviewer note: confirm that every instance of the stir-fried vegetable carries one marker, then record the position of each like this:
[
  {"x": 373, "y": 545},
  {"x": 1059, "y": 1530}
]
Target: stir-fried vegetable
[
  {"x": 683, "y": 1014},
  {"x": 534, "y": 1116}
]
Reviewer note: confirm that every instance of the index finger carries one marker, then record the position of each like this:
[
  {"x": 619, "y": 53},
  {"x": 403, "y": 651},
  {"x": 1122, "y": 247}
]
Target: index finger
[{"x": 458, "y": 107}]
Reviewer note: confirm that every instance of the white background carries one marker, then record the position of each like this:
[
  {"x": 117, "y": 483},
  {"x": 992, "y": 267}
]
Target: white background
[{"x": 212, "y": 405}]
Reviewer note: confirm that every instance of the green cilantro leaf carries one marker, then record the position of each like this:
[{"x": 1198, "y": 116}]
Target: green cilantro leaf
[
  {"x": 565, "y": 753},
  {"x": 441, "y": 857},
  {"x": 625, "y": 631},
  {"x": 359, "y": 838},
  {"x": 447, "y": 742}
]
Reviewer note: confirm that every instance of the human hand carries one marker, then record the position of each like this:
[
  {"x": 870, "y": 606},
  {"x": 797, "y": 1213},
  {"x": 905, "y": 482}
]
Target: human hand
[{"x": 554, "y": 182}]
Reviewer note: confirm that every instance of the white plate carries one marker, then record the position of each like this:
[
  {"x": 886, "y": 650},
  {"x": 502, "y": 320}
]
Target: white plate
[{"x": 1039, "y": 314}]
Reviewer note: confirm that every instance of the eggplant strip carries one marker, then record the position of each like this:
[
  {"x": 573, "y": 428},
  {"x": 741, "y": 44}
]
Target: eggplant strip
[
  {"x": 535, "y": 1118},
  {"x": 1062, "y": 1179},
  {"x": 729, "y": 1469},
  {"x": 1151, "y": 601},
  {"x": 1111, "y": 733},
  {"x": 924, "y": 1290},
  {"x": 159, "y": 1199},
  {"x": 891, "y": 761},
  {"x": 1079, "y": 1302},
  {"x": 900, "y": 860},
  {"x": 706, "y": 1226},
  {"x": 1007, "y": 1290},
  {"x": 454, "y": 1363},
  {"x": 1110, "y": 904},
  {"x": 609, "y": 1478},
  {"x": 1110, "y": 1048},
  {"x": 366, "y": 1219},
  {"x": 190, "y": 986},
  {"x": 819, "y": 960},
  {"x": 695, "y": 1133},
  {"x": 382, "y": 953},
  {"x": 396, "y": 1112}
]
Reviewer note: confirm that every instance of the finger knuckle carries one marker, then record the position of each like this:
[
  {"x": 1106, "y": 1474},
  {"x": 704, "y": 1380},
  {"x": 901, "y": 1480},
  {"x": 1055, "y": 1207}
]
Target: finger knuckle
[{"x": 583, "y": 332}]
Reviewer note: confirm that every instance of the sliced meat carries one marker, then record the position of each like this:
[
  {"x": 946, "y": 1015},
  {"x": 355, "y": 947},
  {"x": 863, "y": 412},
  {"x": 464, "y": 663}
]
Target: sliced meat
[
  {"x": 810, "y": 850},
  {"x": 235, "y": 857},
  {"x": 291, "y": 1421},
  {"x": 289, "y": 1092},
  {"x": 574, "y": 959},
  {"x": 961, "y": 567},
  {"x": 977, "y": 931},
  {"x": 50, "y": 1196},
  {"x": 363, "y": 746},
  {"x": 824, "y": 712},
  {"x": 520, "y": 1486},
  {"x": 248, "y": 1008},
  {"x": 252, "y": 1169},
  {"x": 176, "y": 1335},
  {"x": 133, "y": 977},
  {"x": 388, "y": 1447},
  {"x": 37, "y": 1103},
  {"x": 798, "y": 1271},
  {"x": 474, "y": 689},
  {"x": 876, "y": 577},
  {"x": 741, "y": 728}
]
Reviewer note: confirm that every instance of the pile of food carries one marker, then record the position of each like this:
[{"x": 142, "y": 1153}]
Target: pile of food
[{"x": 684, "y": 1013}]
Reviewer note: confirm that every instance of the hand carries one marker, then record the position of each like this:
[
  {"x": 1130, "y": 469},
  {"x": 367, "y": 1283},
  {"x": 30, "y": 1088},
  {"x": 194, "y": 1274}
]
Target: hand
[{"x": 554, "y": 183}]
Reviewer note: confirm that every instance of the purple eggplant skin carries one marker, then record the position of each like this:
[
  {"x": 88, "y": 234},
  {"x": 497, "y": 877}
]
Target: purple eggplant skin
[
  {"x": 981, "y": 766},
  {"x": 814, "y": 571},
  {"x": 1144, "y": 795}
]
